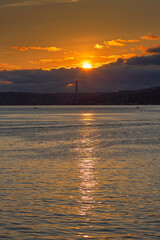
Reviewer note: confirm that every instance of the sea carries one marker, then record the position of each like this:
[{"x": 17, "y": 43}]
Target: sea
[{"x": 79, "y": 172}]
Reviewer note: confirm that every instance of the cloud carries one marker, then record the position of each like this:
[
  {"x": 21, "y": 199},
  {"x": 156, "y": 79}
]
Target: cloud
[
  {"x": 124, "y": 74},
  {"x": 116, "y": 43},
  {"x": 153, "y": 50},
  {"x": 2, "y": 82},
  {"x": 150, "y": 37},
  {"x": 49, "y": 49},
  {"x": 142, "y": 48},
  {"x": 120, "y": 42},
  {"x": 6, "y": 66},
  {"x": 69, "y": 58},
  {"x": 47, "y": 60},
  {"x": 70, "y": 84},
  {"x": 123, "y": 56},
  {"x": 145, "y": 60},
  {"x": 24, "y": 3},
  {"x": 99, "y": 46}
]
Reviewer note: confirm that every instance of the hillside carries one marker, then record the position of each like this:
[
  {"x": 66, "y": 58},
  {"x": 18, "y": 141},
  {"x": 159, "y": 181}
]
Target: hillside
[{"x": 137, "y": 97}]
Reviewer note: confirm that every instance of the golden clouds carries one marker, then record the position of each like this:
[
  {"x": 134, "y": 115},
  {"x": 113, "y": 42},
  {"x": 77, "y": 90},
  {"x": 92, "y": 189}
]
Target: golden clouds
[
  {"x": 99, "y": 46},
  {"x": 8, "y": 67},
  {"x": 105, "y": 52},
  {"x": 123, "y": 56},
  {"x": 49, "y": 60},
  {"x": 118, "y": 43},
  {"x": 61, "y": 60},
  {"x": 69, "y": 58},
  {"x": 115, "y": 43},
  {"x": 150, "y": 37},
  {"x": 49, "y": 49},
  {"x": 46, "y": 60}
]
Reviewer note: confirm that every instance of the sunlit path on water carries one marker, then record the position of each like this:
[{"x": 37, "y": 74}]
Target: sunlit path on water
[{"x": 86, "y": 162}]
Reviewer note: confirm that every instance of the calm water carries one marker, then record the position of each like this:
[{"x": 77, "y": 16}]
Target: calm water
[{"x": 79, "y": 172}]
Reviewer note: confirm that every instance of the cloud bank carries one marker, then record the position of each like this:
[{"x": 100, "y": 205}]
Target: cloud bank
[
  {"x": 133, "y": 73},
  {"x": 153, "y": 60}
]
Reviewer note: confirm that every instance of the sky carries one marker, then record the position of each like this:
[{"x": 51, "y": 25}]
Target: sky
[{"x": 44, "y": 44}]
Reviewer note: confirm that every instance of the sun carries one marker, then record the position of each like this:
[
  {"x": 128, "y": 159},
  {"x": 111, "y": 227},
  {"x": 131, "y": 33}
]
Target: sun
[{"x": 87, "y": 65}]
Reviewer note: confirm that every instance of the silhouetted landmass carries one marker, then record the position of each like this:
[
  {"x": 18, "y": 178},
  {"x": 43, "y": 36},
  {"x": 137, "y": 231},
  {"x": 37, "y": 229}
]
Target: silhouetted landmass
[{"x": 137, "y": 97}]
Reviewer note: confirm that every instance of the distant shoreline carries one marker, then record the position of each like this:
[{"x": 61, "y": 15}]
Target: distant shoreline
[{"x": 150, "y": 96}]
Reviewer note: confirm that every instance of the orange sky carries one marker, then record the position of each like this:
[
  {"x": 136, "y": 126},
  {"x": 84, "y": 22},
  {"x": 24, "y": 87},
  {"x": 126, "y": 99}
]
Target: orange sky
[{"x": 52, "y": 34}]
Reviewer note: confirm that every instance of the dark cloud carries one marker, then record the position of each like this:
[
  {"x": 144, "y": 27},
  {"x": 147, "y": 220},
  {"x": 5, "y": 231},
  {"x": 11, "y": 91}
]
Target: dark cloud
[
  {"x": 133, "y": 73},
  {"x": 145, "y": 60},
  {"x": 153, "y": 50}
]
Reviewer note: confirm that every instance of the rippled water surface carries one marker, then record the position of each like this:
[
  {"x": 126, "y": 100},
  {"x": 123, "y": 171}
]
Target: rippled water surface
[{"x": 79, "y": 172}]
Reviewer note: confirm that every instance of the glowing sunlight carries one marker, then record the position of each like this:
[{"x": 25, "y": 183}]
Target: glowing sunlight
[{"x": 86, "y": 65}]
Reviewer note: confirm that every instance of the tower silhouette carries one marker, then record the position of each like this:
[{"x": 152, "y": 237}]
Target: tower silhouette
[{"x": 76, "y": 87}]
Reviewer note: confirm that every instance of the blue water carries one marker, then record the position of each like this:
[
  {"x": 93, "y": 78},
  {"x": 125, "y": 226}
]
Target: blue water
[{"x": 79, "y": 172}]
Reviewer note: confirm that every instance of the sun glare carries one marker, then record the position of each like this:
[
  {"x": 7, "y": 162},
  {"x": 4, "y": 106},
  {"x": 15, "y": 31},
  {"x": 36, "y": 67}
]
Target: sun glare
[{"x": 87, "y": 65}]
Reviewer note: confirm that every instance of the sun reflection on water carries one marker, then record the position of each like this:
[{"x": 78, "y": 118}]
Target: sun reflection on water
[
  {"x": 87, "y": 186},
  {"x": 86, "y": 161},
  {"x": 87, "y": 116}
]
